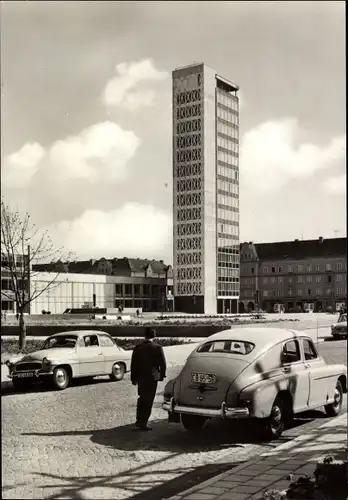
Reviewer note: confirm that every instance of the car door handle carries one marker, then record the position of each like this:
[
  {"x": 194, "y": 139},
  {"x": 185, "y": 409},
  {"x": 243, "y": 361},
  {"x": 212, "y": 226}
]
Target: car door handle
[
  {"x": 307, "y": 365},
  {"x": 286, "y": 369}
]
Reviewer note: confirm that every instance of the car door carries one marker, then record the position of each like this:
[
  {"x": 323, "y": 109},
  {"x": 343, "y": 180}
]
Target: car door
[
  {"x": 296, "y": 374},
  {"x": 111, "y": 352},
  {"x": 91, "y": 356},
  {"x": 317, "y": 374}
]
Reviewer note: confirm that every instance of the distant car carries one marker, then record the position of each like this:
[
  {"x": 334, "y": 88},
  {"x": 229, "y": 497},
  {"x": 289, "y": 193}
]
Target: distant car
[
  {"x": 69, "y": 355},
  {"x": 266, "y": 374},
  {"x": 339, "y": 329}
]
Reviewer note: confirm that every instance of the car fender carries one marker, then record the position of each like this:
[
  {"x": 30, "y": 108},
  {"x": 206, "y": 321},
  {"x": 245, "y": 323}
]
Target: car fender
[
  {"x": 334, "y": 373},
  {"x": 262, "y": 395},
  {"x": 64, "y": 362}
]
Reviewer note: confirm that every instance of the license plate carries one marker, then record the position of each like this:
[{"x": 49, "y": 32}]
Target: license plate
[
  {"x": 203, "y": 378},
  {"x": 24, "y": 375}
]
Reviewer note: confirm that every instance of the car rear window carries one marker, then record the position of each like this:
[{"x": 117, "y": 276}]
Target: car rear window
[{"x": 227, "y": 346}]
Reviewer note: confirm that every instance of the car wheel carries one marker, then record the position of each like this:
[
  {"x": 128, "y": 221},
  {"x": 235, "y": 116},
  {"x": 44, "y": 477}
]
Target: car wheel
[
  {"x": 61, "y": 378},
  {"x": 193, "y": 423},
  {"x": 118, "y": 371},
  {"x": 333, "y": 409},
  {"x": 275, "y": 423},
  {"x": 20, "y": 384}
]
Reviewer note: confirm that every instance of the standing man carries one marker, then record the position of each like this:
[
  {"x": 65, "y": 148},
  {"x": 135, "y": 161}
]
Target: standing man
[{"x": 148, "y": 367}]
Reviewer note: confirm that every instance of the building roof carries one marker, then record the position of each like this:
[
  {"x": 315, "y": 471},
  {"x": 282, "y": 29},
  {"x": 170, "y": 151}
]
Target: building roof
[
  {"x": 302, "y": 249},
  {"x": 116, "y": 266},
  {"x": 139, "y": 265}
]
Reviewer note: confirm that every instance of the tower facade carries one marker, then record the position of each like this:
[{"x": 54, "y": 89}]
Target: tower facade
[{"x": 205, "y": 191}]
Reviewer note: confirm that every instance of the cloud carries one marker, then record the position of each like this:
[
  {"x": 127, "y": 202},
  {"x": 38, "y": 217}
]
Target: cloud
[
  {"x": 99, "y": 152},
  {"x": 123, "y": 89},
  {"x": 133, "y": 230},
  {"x": 336, "y": 185},
  {"x": 270, "y": 158},
  {"x": 20, "y": 167}
]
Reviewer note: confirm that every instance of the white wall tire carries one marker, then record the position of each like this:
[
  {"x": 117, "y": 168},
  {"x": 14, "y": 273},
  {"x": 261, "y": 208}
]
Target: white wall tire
[
  {"x": 274, "y": 425},
  {"x": 61, "y": 378},
  {"x": 118, "y": 371},
  {"x": 334, "y": 409}
]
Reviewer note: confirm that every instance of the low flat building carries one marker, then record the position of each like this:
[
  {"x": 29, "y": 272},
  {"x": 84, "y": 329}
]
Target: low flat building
[
  {"x": 105, "y": 283},
  {"x": 8, "y": 289},
  {"x": 299, "y": 275}
]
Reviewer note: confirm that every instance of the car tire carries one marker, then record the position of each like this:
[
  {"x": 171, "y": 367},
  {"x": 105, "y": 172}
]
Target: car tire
[
  {"x": 193, "y": 423},
  {"x": 334, "y": 409},
  {"x": 20, "y": 384},
  {"x": 61, "y": 378},
  {"x": 118, "y": 371},
  {"x": 274, "y": 425}
]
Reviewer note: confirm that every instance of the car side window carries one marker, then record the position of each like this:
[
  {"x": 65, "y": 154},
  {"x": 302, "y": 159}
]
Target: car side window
[
  {"x": 91, "y": 341},
  {"x": 310, "y": 351},
  {"x": 106, "y": 341},
  {"x": 291, "y": 352},
  {"x": 81, "y": 342}
]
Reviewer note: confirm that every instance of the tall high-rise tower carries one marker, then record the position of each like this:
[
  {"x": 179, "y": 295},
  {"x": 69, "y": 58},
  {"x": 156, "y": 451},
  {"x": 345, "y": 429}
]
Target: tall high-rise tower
[{"x": 205, "y": 191}]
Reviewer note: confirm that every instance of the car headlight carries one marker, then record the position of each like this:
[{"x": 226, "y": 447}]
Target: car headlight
[
  {"x": 8, "y": 363},
  {"x": 45, "y": 361}
]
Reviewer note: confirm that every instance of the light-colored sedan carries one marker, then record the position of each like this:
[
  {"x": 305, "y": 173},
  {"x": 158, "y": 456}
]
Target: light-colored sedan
[
  {"x": 339, "y": 329},
  {"x": 68, "y": 355},
  {"x": 265, "y": 374}
]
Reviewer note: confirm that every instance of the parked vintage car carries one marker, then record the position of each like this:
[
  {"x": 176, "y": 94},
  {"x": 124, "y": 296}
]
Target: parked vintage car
[
  {"x": 266, "y": 374},
  {"x": 68, "y": 355},
  {"x": 339, "y": 329}
]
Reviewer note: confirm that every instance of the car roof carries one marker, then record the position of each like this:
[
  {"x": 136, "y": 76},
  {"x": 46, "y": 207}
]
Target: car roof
[
  {"x": 264, "y": 338},
  {"x": 80, "y": 333}
]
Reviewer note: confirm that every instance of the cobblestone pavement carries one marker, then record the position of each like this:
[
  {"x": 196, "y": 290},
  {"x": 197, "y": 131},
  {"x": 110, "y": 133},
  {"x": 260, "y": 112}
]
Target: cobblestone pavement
[{"x": 79, "y": 443}]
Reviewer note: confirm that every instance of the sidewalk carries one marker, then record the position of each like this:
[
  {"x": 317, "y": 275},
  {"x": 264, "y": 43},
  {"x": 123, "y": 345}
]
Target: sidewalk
[{"x": 250, "y": 480}]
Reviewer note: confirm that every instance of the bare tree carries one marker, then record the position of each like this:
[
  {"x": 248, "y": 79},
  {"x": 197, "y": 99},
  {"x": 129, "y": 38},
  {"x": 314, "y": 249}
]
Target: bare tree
[{"x": 22, "y": 246}]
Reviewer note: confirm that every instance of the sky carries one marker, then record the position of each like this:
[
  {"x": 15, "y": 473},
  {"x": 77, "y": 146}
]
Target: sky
[{"x": 86, "y": 116}]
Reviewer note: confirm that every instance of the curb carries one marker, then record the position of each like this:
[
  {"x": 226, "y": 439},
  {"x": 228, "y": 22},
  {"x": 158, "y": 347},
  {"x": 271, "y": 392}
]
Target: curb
[{"x": 289, "y": 444}]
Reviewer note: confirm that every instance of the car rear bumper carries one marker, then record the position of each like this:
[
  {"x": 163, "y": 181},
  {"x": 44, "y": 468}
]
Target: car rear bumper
[{"x": 223, "y": 412}]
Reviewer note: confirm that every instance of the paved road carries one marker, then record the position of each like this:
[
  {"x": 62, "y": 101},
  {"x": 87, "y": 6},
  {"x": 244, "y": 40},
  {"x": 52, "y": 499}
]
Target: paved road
[{"x": 79, "y": 443}]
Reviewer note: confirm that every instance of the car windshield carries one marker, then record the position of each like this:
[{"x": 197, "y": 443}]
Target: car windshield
[
  {"x": 60, "y": 341},
  {"x": 342, "y": 318},
  {"x": 227, "y": 346}
]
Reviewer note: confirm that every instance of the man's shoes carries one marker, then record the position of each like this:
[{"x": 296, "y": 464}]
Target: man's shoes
[{"x": 139, "y": 427}]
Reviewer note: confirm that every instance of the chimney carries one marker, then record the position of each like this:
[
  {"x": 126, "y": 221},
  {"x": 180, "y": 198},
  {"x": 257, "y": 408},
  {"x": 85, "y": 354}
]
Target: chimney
[{"x": 321, "y": 239}]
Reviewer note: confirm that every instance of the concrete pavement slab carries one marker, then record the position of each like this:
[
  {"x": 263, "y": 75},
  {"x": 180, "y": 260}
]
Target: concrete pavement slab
[{"x": 299, "y": 453}]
